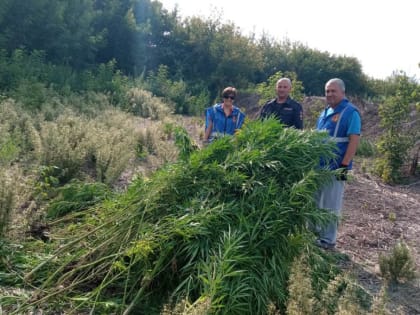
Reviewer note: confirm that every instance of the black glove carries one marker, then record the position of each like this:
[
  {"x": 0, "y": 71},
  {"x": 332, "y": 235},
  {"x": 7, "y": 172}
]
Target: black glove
[{"x": 342, "y": 172}]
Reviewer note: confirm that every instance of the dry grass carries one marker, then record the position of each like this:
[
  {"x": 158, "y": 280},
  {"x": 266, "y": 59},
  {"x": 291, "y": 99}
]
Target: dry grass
[{"x": 143, "y": 103}]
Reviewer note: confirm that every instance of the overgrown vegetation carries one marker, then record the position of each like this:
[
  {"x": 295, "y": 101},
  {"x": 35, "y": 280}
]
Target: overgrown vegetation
[
  {"x": 200, "y": 235},
  {"x": 222, "y": 226},
  {"x": 77, "y": 196},
  {"x": 108, "y": 206}
]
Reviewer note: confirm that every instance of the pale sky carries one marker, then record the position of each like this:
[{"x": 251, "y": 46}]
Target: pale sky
[{"x": 384, "y": 35}]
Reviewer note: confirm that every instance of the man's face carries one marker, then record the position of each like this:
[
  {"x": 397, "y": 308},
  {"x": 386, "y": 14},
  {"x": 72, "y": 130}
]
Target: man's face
[
  {"x": 283, "y": 89},
  {"x": 333, "y": 94}
]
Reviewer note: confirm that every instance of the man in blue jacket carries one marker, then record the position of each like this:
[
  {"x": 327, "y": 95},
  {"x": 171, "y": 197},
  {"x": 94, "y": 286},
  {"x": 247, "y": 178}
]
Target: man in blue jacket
[
  {"x": 223, "y": 118},
  {"x": 341, "y": 119}
]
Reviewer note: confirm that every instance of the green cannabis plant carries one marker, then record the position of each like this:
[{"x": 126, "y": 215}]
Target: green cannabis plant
[
  {"x": 77, "y": 196},
  {"x": 219, "y": 228}
]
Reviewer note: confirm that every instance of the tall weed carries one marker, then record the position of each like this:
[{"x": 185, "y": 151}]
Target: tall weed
[
  {"x": 154, "y": 142},
  {"x": 99, "y": 147},
  {"x": 29, "y": 78},
  {"x": 301, "y": 295},
  {"x": 110, "y": 144},
  {"x": 143, "y": 103},
  {"x": 64, "y": 144},
  {"x": 20, "y": 140},
  {"x": 7, "y": 200},
  {"x": 399, "y": 139},
  {"x": 177, "y": 92}
]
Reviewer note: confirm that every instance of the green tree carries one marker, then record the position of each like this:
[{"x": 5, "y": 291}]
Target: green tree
[
  {"x": 274, "y": 54},
  {"x": 237, "y": 58},
  {"x": 313, "y": 67},
  {"x": 397, "y": 139},
  {"x": 267, "y": 90},
  {"x": 63, "y": 29},
  {"x": 214, "y": 55}
]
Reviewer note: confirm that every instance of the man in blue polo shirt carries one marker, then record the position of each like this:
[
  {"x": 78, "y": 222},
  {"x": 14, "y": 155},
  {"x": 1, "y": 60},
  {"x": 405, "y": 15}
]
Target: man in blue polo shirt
[{"x": 341, "y": 119}]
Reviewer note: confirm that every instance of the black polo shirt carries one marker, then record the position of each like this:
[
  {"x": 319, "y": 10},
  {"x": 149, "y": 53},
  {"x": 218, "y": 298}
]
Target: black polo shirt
[{"x": 290, "y": 113}]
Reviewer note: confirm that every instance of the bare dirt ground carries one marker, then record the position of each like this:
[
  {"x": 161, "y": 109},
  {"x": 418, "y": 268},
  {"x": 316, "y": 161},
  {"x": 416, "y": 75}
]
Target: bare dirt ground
[{"x": 375, "y": 217}]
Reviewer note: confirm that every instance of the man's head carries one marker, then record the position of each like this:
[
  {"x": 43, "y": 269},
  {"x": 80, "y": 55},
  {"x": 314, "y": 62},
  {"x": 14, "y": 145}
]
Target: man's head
[
  {"x": 283, "y": 87},
  {"x": 335, "y": 91}
]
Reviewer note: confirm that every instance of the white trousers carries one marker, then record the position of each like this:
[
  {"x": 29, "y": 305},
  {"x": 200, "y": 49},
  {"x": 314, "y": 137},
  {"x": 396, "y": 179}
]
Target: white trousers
[{"x": 330, "y": 197}]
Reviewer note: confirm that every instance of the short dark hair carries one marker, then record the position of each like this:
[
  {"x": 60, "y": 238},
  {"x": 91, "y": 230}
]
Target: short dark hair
[{"x": 229, "y": 91}]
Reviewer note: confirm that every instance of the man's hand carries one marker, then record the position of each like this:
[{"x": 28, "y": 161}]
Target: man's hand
[{"x": 342, "y": 172}]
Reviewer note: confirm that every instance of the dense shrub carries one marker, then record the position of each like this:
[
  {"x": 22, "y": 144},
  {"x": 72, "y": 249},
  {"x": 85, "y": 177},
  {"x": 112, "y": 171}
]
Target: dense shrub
[
  {"x": 99, "y": 147},
  {"x": 398, "y": 138},
  {"x": 30, "y": 79},
  {"x": 399, "y": 265},
  {"x": 178, "y": 93},
  {"x": 341, "y": 295},
  {"x": 366, "y": 148},
  {"x": 142, "y": 103}
]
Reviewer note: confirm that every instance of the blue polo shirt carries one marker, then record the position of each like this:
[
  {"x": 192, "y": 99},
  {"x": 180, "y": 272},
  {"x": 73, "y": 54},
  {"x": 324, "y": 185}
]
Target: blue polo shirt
[{"x": 341, "y": 122}]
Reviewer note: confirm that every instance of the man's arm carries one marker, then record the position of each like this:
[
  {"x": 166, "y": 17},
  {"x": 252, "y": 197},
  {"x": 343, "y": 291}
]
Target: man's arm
[
  {"x": 209, "y": 124},
  {"x": 208, "y": 131},
  {"x": 355, "y": 126},
  {"x": 351, "y": 149}
]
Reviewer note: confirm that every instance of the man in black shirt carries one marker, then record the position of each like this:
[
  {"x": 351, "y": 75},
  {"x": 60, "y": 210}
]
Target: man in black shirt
[{"x": 285, "y": 109}]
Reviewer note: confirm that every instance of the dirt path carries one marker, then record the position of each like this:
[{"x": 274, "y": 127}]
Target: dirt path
[{"x": 375, "y": 217}]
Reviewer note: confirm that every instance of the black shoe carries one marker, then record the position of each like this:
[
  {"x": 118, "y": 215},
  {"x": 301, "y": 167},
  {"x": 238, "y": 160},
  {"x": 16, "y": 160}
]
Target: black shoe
[{"x": 323, "y": 244}]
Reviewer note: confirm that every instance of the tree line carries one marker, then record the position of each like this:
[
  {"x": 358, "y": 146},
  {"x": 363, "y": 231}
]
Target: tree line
[{"x": 139, "y": 36}]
